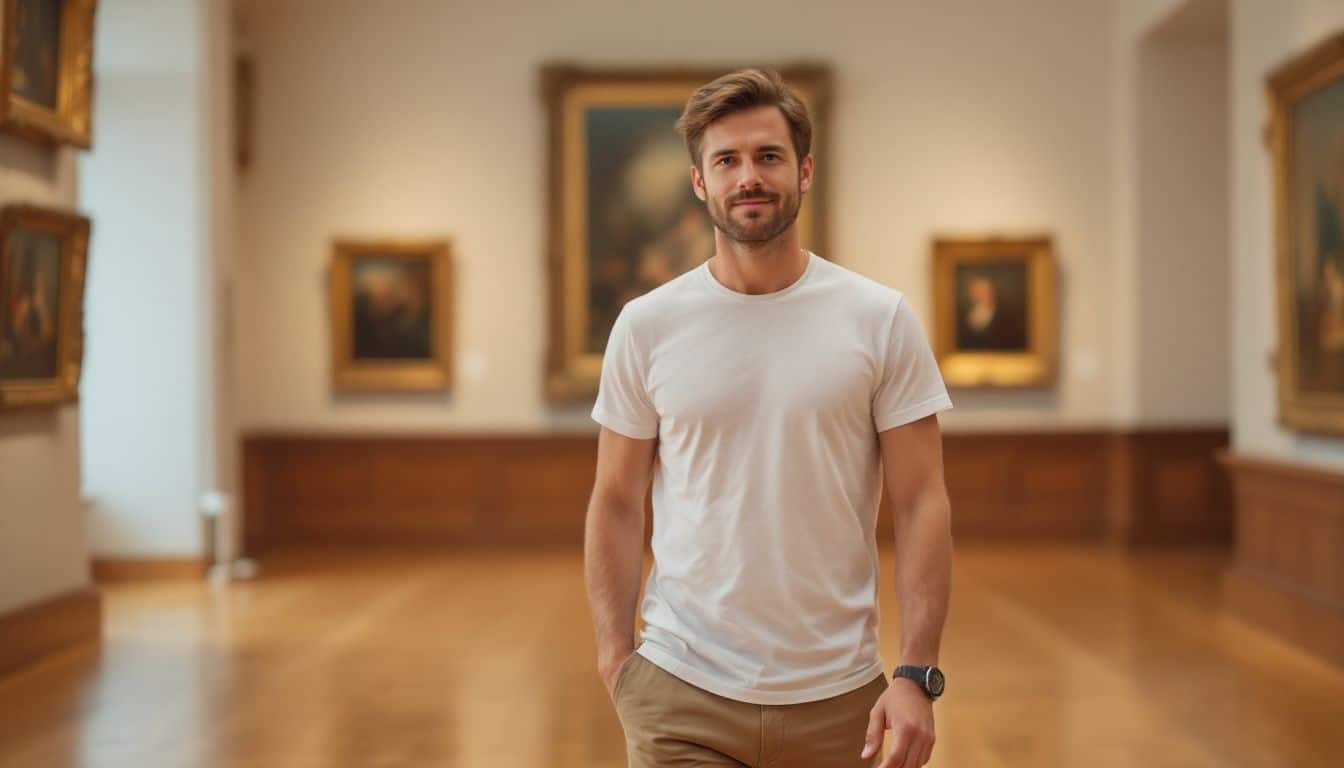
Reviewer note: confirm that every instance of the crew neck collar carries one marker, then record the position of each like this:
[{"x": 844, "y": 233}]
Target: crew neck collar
[{"x": 719, "y": 288}]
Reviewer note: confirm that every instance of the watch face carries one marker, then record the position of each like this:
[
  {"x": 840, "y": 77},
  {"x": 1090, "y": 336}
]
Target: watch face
[{"x": 936, "y": 681}]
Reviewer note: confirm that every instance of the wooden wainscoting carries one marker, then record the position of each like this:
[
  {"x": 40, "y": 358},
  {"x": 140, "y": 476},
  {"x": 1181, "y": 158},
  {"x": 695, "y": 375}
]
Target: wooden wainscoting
[
  {"x": 1288, "y": 572},
  {"x": 49, "y": 626},
  {"x": 533, "y": 489}
]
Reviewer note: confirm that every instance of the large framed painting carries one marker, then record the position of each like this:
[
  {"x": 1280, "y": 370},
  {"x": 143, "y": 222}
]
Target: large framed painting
[
  {"x": 1306, "y": 139},
  {"x": 623, "y": 218},
  {"x": 994, "y": 311},
  {"x": 46, "y": 67},
  {"x": 391, "y": 315},
  {"x": 43, "y": 261}
]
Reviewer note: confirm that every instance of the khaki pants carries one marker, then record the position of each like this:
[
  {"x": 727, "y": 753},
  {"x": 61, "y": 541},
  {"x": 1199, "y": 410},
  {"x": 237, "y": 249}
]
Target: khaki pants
[{"x": 669, "y": 722}]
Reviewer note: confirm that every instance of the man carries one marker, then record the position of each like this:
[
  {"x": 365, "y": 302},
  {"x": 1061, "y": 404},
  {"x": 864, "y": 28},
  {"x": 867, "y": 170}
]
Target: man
[{"x": 767, "y": 393}]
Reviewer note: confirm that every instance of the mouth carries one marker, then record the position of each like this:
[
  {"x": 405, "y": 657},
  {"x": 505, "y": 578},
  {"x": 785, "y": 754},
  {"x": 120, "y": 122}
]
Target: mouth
[{"x": 752, "y": 202}]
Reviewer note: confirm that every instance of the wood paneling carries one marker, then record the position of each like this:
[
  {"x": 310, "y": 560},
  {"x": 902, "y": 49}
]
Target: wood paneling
[
  {"x": 1288, "y": 573},
  {"x": 106, "y": 570},
  {"x": 33, "y": 632},
  {"x": 1168, "y": 488},
  {"x": 533, "y": 489}
]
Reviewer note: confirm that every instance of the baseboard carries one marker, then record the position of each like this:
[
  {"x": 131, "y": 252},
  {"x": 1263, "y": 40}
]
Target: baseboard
[
  {"x": 117, "y": 569},
  {"x": 34, "y": 632}
]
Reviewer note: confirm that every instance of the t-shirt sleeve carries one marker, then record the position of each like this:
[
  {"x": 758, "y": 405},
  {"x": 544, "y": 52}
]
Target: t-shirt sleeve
[
  {"x": 911, "y": 386},
  {"x": 623, "y": 403}
]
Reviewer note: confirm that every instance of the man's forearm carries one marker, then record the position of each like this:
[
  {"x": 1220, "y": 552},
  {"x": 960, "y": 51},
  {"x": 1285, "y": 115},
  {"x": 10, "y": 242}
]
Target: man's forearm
[
  {"x": 613, "y": 563},
  {"x": 923, "y": 574}
]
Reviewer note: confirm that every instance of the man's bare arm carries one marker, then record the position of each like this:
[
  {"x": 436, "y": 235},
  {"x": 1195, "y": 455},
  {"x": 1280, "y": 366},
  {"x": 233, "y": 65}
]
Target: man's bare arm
[
  {"x": 613, "y": 550},
  {"x": 912, "y": 467}
]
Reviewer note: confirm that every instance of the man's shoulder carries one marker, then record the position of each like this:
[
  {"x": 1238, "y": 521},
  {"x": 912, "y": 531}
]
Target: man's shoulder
[{"x": 859, "y": 290}]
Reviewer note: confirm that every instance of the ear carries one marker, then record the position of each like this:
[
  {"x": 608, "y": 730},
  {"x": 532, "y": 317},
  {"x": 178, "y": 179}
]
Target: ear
[
  {"x": 805, "y": 174},
  {"x": 698, "y": 184}
]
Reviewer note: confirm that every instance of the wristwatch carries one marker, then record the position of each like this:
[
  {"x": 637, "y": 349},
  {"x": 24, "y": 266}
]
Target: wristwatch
[{"x": 929, "y": 679}]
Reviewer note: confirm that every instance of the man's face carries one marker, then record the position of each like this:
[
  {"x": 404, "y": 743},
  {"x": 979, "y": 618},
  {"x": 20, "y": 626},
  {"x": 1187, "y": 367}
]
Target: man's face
[{"x": 752, "y": 182}]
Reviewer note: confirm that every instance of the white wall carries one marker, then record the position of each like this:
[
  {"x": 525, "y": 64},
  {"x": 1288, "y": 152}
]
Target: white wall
[
  {"x": 424, "y": 118},
  {"x": 43, "y": 552},
  {"x": 1183, "y": 253},
  {"x": 1264, "y": 35},
  {"x": 149, "y": 389}
]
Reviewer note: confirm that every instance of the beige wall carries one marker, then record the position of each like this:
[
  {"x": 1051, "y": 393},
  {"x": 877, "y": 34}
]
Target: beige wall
[
  {"x": 422, "y": 118},
  {"x": 1264, "y": 35},
  {"x": 42, "y": 537}
]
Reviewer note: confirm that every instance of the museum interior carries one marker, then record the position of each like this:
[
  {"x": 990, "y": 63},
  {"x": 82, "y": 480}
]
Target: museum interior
[{"x": 305, "y": 304}]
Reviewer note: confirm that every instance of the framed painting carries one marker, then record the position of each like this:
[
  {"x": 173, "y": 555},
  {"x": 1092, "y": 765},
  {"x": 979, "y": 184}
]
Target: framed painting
[
  {"x": 43, "y": 261},
  {"x": 994, "y": 311},
  {"x": 391, "y": 315},
  {"x": 46, "y": 66},
  {"x": 1306, "y": 139},
  {"x": 623, "y": 218}
]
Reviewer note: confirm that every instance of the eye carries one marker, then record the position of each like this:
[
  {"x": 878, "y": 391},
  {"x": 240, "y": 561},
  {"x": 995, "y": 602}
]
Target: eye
[
  {"x": 724, "y": 159},
  {"x": 771, "y": 156}
]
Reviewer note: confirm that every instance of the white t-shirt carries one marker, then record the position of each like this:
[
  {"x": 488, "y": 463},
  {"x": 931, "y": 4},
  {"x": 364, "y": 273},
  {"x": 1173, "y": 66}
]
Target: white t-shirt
[{"x": 768, "y": 475}]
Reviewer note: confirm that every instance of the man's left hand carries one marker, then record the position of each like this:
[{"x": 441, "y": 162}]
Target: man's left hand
[{"x": 908, "y": 713}]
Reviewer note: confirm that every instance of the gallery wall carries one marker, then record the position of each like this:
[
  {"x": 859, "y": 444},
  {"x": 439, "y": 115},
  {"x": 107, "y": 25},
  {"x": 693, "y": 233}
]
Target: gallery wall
[
  {"x": 43, "y": 550},
  {"x": 1181, "y": 222},
  {"x": 150, "y": 417},
  {"x": 1263, "y": 36},
  {"x": 421, "y": 118}
]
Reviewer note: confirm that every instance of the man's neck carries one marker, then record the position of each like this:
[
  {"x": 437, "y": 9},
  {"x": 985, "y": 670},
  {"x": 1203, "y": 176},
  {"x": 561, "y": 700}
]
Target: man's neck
[{"x": 758, "y": 268}]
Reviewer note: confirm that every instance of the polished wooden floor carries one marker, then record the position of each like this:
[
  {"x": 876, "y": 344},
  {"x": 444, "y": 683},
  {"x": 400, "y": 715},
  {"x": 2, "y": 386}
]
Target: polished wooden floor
[{"x": 1056, "y": 656}]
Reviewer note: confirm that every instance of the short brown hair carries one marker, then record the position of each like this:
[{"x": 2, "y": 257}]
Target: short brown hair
[{"x": 738, "y": 91}]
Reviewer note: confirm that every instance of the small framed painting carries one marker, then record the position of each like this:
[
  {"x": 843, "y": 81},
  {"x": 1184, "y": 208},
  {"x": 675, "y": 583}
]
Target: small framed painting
[
  {"x": 46, "y": 68},
  {"x": 995, "y": 311},
  {"x": 43, "y": 261},
  {"x": 391, "y": 315},
  {"x": 1306, "y": 139}
]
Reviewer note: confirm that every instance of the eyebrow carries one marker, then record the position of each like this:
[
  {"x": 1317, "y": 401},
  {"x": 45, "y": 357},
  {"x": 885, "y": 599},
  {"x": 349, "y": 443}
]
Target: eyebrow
[{"x": 763, "y": 148}]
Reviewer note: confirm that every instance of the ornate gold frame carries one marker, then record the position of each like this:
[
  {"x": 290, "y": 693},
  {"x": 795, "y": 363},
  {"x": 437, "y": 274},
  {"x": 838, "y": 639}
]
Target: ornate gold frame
[
  {"x": 71, "y": 122},
  {"x": 571, "y": 373},
  {"x": 1034, "y": 368},
  {"x": 1287, "y": 85},
  {"x": 74, "y": 233},
  {"x": 409, "y": 375}
]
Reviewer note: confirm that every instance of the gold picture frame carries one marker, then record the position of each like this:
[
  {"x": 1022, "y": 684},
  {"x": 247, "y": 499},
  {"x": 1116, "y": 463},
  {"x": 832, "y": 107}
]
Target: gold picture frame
[
  {"x": 392, "y": 315},
  {"x": 611, "y": 239},
  {"x": 995, "y": 311},
  {"x": 1305, "y": 98},
  {"x": 43, "y": 263},
  {"x": 48, "y": 93}
]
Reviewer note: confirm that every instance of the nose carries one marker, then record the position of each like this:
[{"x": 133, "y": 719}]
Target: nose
[{"x": 748, "y": 176}]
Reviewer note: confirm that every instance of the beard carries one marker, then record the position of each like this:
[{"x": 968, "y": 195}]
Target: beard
[{"x": 759, "y": 224}]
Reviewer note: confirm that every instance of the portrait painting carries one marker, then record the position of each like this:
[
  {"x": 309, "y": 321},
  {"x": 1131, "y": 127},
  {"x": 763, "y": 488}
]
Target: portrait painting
[
  {"x": 992, "y": 306},
  {"x": 391, "y": 315},
  {"x": 1307, "y": 141},
  {"x": 42, "y": 264},
  {"x": 46, "y": 65},
  {"x": 994, "y": 311},
  {"x": 623, "y": 216}
]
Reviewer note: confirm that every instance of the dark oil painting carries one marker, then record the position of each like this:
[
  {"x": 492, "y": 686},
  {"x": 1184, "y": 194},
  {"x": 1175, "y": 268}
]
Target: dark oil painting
[
  {"x": 36, "y": 73},
  {"x": 992, "y": 311},
  {"x": 30, "y": 283},
  {"x": 1317, "y": 234},
  {"x": 393, "y": 308}
]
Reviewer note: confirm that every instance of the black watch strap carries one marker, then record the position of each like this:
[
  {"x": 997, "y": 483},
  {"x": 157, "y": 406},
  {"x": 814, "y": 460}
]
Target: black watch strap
[{"x": 929, "y": 679}]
